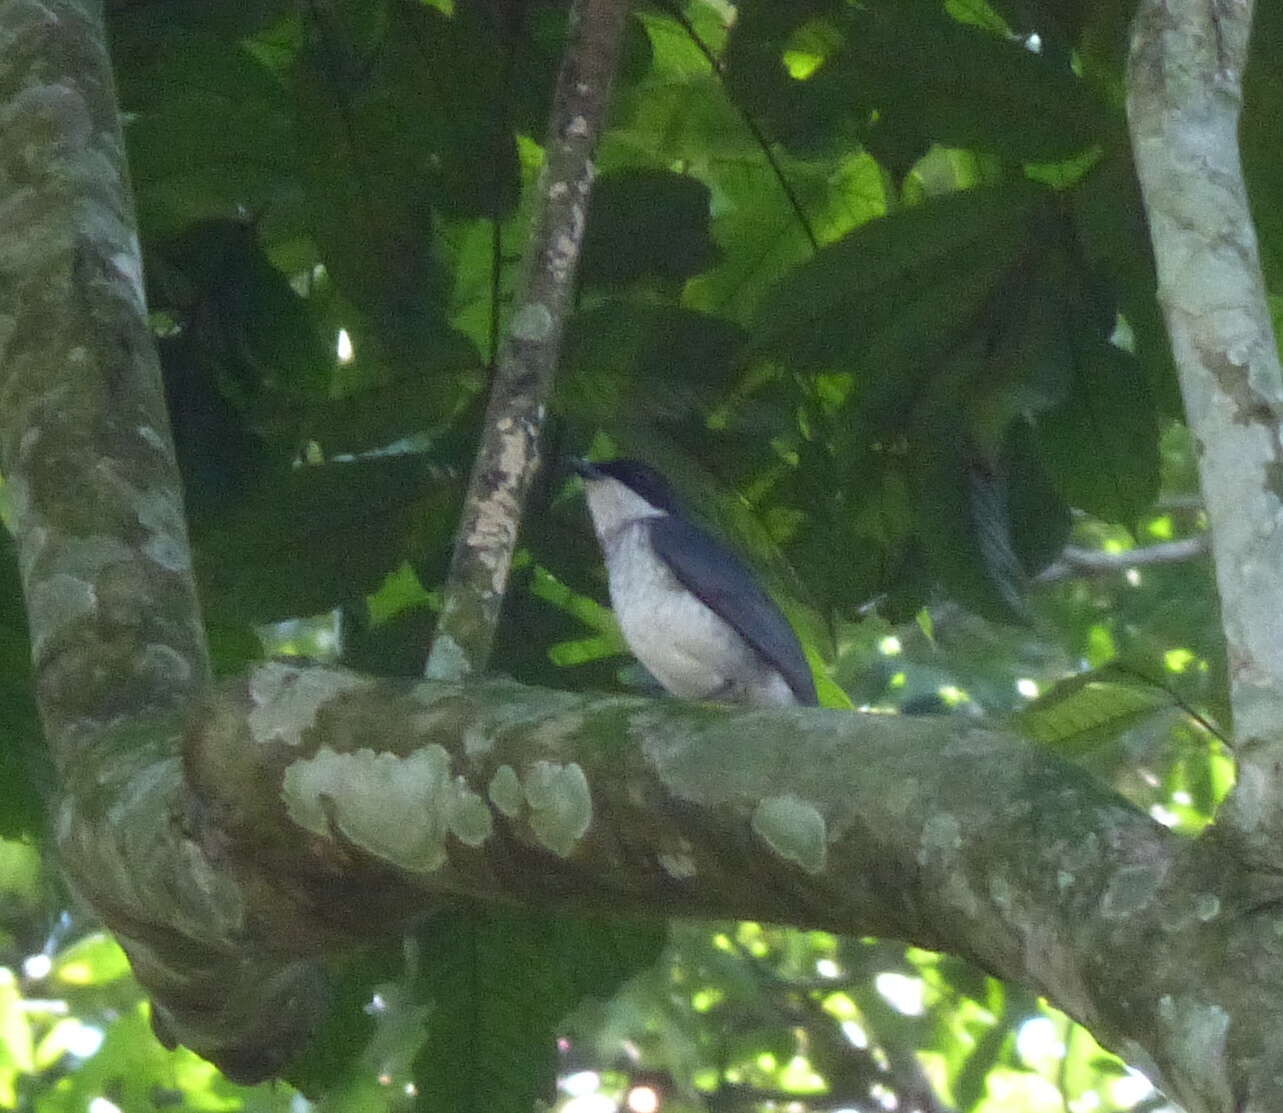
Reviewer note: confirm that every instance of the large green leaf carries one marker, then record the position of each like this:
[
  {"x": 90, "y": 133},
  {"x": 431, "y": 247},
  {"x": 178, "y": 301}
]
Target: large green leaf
[
  {"x": 1110, "y": 226},
  {"x": 1258, "y": 136},
  {"x": 441, "y": 83},
  {"x": 1040, "y": 518},
  {"x": 354, "y": 1020},
  {"x": 242, "y": 309},
  {"x": 209, "y": 132},
  {"x": 1101, "y": 443},
  {"x": 499, "y": 980},
  {"x": 371, "y": 154},
  {"x": 646, "y": 223},
  {"x": 953, "y": 322},
  {"x": 961, "y": 86},
  {"x": 140, "y": 24},
  {"x": 626, "y": 362},
  {"x": 822, "y": 72},
  {"x": 321, "y": 536},
  {"x": 822, "y": 311},
  {"x": 678, "y": 110},
  {"x": 805, "y": 115},
  {"x": 1090, "y": 709},
  {"x": 856, "y": 540},
  {"x": 965, "y": 527},
  {"x": 762, "y": 231}
]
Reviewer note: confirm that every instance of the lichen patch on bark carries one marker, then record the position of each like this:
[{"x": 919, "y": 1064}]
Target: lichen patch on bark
[
  {"x": 402, "y": 809},
  {"x": 794, "y": 829},
  {"x": 286, "y": 699}
]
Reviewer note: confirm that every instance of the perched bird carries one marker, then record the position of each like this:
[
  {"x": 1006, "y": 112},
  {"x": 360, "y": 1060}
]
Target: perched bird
[{"x": 689, "y": 609}]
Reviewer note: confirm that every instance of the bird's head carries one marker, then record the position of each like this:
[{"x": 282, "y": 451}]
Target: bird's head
[{"x": 621, "y": 491}]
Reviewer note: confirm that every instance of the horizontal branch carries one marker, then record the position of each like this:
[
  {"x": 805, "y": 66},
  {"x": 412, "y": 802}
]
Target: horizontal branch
[
  {"x": 1076, "y": 561},
  {"x": 338, "y": 807}
]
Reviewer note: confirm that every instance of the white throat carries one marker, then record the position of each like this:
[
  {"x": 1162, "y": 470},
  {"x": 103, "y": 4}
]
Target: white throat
[{"x": 613, "y": 506}]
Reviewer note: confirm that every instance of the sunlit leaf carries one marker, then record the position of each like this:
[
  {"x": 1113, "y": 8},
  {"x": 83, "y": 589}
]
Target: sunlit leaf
[
  {"x": 1092, "y": 708},
  {"x": 93, "y": 960},
  {"x": 17, "y": 1046}
]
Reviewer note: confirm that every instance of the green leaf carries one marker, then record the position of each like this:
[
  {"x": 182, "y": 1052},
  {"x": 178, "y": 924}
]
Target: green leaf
[
  {"x": 26, "y": 773},
  {"x": 759, "y": 232},
  {"x": 853, "y": 545},
  {"x": 369, "y": 186},
  {"x": 499, "y": 980},
  {"x": 321, "y": 536},
  {"x": 1101, "y": 444},
  {"x": 17, "y": 1044},
  {"x": 1040, "y": 519},
  {"x": 1258, "y": 136},
  {"x": 965, "y": 87},
  {"x": 244, "y": 310},
  {"x": 679, "y": 112},
  {"x": 417, "y": 400},
  {"x": 441, "y": 84},
  {"x": 140, "y": 24},
  {"x": 94, "y": 960},
  {"x": 820, "y": 72},
  {"x": 138, "y": 1073},
  {"x": 1085, "y": 711},
  {"x": 820, "y": 313},
  {"x": 805, "y": 115},
  {"x": 209, "y": 131},
  {"x": 220, "y": 453},
  {"x": 625, "y": 363},
  {"x": 332, "y": 1056},
  {"x": 966, "y": 531},
  {"x": 232, "y": 648},
  {"x": 646, "y": 223},
  {"x": 1109, "y": 223}
]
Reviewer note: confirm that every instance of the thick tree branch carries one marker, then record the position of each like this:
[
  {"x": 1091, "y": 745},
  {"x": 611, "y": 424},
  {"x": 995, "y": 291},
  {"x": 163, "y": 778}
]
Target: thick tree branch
[
  {"x": 86, "y": 454},
  {"x": 84, "y": 435},
  {"x": 316, "y": 781},
  {"x": 1184, "y": 96},
  {"x": 522, "y": 386}
]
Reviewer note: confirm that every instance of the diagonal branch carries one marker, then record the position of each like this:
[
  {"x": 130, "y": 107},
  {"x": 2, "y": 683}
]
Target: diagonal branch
[{"x": 522, "y": 386}]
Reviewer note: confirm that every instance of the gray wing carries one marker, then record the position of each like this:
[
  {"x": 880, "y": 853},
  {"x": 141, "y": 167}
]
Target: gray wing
[{"x": 721, "y": 581}]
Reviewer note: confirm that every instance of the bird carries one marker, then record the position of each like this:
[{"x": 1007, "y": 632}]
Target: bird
[{"x": 689, "y": 609}]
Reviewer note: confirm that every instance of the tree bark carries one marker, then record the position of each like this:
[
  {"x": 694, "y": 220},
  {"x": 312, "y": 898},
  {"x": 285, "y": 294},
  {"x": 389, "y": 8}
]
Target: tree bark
[
  {"x": 118, "y": 645},
  {"x": 1185, "y": 82},
  {"x": 522, "y": 386},
  {"x": 84, "y": 434},
  {"x": 316, "y": 782}
]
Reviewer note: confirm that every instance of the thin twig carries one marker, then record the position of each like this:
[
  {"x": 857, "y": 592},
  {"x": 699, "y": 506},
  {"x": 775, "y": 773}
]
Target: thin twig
[
  {"x": 508, "y": 456},
  {"x": 1078, "y": 562}
]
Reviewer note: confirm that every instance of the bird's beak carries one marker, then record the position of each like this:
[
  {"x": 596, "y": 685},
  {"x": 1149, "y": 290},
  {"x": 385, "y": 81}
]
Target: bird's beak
[{"x": 585, "y": 468}]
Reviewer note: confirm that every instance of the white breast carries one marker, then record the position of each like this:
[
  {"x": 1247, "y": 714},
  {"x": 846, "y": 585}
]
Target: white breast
[{"x": 692, "y": 652}]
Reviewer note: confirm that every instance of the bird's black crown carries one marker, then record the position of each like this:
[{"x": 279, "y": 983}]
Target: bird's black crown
[{"x": 636, "y": 476}]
